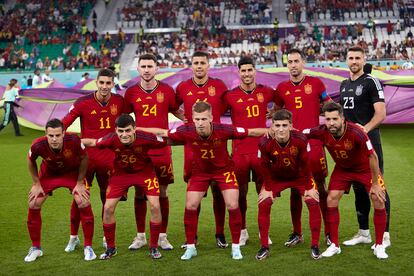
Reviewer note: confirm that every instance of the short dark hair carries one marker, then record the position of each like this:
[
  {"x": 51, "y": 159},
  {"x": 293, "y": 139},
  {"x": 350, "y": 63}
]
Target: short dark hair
[
  {"x": 282, "y": 114},
  {"x": 296, "y": 51},
  {"x": 245, "y": 60},
  {"x": 148, "y": 57},
  {"x": 201, "y": 106},
  {"x": 333, "y": 106},
  {"x": 356, "y": 49},
  {"x": 124, "y": 120},
  {"x": 54, "y": 123},
  {"x": 200, "y": 54},
  {"x": 105, "y": 72}
]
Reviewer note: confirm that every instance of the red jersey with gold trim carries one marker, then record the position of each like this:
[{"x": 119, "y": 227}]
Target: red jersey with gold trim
[
  {"x": 210, "y": 154},
  {"x": 58, "y": 162},
  {"x": 285, "y": 162},
  {"x": 151, "y": 108},
  {"x": 131, "y": 158},
  {"x": 350, "y": 151},
  {"x": 248, "y": 110},
  {"x": 303, "y": 100},
  {"x": 188, "y": 93}
]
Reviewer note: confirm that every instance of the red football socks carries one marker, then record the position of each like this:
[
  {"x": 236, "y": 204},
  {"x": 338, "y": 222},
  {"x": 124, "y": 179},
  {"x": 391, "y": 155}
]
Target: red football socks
[
  {"x": 380, "y": 221},
  {"x": 323, "y": 205},
  {"x": 87, "y": 219},
  {"x": 74, "y": 218},
  {"x": 264, "y": 221},
  {"x": 109, "y": 232},
  {"x": 243, "y": 210},
  {"x": 165, "y": 212},
  {"x": 190, "y": 225},
  {"x": 219, "y": 208},
  {"x": 140, "y": 206},
  {"x": 296, "y": 210},
  {"x": 34, "y": 225},
  {"x": 332, "y": 217},
  {"x": 155, "y": 229},
  {"x": 314, "y": 220},
  {"x": 235, "y": 225}
]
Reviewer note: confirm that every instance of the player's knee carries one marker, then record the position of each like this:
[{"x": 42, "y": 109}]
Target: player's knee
[
  {"x": 378, "y": 204},
  {"x": 332, "y": 200},
  {"x": 109, "y": 209},
  {"x": 232, "y": 204}
]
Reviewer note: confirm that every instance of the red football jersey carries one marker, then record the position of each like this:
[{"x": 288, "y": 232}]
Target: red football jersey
[
  {"x": 151, "y": 108},
  {"x": 248, "y": 110},
  {"x": 96, "y": 119},
  {"x": 350, "y": 151},
  {"x": 303, "y": 100},
  {"x": 285, "y": 162},
  {"x": 188, "y": 93},
  {"x": 131, "y": 158},
  {"x": 210, "y": 154},
  {"x": 58, "y": 163}
]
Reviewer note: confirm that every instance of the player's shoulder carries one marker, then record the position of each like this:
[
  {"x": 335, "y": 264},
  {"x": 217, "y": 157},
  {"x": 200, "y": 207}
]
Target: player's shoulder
[
  {"x": 264, "y": 141},
  {"x": 216, "y": 81},
  {"x": 281, "y": 85},
  {"x": 139, "y": 134},
  {"x": 117, "y": 97},
  {"x": 185, "y": 128},
  {"x": 39, "y": 142},
  {"x": 132, "y": 89},
  {"x": 86, "y": 98},
  {"x": 222, "y": 127},
  {"x": 72, "y": 138},
  {"x": 313, "y": 80},
  {"x": 373, "y": 80},
  {"x": 164, "y": 85},
  {"x": 355, "y": 130},
  {"x": 298, "y": 136},
  {"x": 184, "y": 83},
  {"x": 263, "y": 88}
]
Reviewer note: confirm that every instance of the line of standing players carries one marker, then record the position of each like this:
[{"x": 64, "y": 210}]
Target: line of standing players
[{"x": 119, "y": 154}]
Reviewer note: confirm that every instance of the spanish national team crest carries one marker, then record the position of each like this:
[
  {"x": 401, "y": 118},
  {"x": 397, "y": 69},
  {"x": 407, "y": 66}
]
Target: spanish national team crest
[
  {"x": 67, "y": 153},
  {"x": 160, "y": 97},
  {"x": 294, "y": 150},
  {"x": 358, "y": 90},
  {"x": 260, "y": 97},
  {"x": 211, "y": 91},
  {"x": 308, "y": 89},
  {"x": 347, "y": 144},
  {"x": 114, "y": 109}
]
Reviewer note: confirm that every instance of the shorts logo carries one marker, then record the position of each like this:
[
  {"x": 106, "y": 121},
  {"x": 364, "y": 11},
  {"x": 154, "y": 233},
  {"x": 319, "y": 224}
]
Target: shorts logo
[
  {"x": 260, "y": 97},
  {"x": 294, "y": 151},
  {"x": 358, "y": 90},
  {"x": 308, "y": 89},
  {"x": 67, "y": 153},
  {"x": 348, "y": 145},
  {"x": 114, "y": 110},
  {"x": 211, "y": 91},
  {"x": 160, "y": 97}
]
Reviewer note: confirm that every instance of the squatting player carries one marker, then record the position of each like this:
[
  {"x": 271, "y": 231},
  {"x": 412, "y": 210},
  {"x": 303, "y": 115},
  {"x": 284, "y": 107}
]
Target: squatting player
[
  {"x": 151, "y": 101},
  {"x": 132, "y": 167},
  {"x": 355, "y": 161},
  {"x": 97, "y": 113},
  {"x": 284, "y": 163},
  {"x": 201, "y": 87},
  {"x": 303, "y": 95},
  {"x": 211, "y": 162},
  {"x": 64, "y": 164},
  {"x": 248, "y": 105}
]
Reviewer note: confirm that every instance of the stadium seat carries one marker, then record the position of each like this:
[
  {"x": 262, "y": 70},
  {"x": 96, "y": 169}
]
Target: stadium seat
[
  {"x": 328, "y": 15},
  {"x": 371, "y": 14},
  {"x": 352, "y": 15},
  {"x": 358, "y": 15},
  {"x": 364, "y": 14},
  {"x": 377, "y": 13},
  {"x": 321, "y": 16},
  {"x": 346, "y": 16}
]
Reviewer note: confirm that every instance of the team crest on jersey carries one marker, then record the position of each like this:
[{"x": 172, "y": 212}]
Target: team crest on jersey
[
  {"x": 358, "y": 90},
  {"x": 308, "y": 89},
  {"x": 294, "y": 150},
  {"x": 160, "y": 97},
  {"x": 114, "y": 109},
  {"x": 216, "y": 142},
  {"x": 67, "y": 153},
  {"x": 93, "y": 112},
  {"x": 211, "y": 91},
  {"x": 138, "y": 100},
  {"x": 348, "y": 145},
  {"x": 260, "y": 97},
  {"x": 240, "y": 100}
]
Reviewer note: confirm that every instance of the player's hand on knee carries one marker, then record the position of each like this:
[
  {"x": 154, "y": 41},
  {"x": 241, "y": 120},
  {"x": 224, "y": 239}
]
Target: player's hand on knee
[
  {"x": 377, "y": 191},
  {"x": 312, "y": 193},
  {"x": 35, "y": 192},
  {"x": 264, "y": 194},
  {"x": 81, "y": 191}
]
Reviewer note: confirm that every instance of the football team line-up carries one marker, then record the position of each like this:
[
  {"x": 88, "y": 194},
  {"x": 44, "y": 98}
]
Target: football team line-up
[{"x": 121, "y": 152}]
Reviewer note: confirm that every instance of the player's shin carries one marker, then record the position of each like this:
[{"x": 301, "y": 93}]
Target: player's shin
[
  {"x": 109, "y": 232},
  {"x": 140, "y": 207},
  {"x": 190, "y": 225},
  {"x": 380, "y": 221},
  {"x": 235, "y": 224},
  {"x": 87, "y": 219},
  {"x": 74, "y": 219},
  {"x": 333, "y": 222},
  {"x": 165, "y": 211},
  {"x": 264, "y": 221},
  {"x": 296, "y": 210},
  {"x": 219, "y": 207},
  {"x": 155, "y": 228},
  {"x": 314, "y": 220},
  {"x": 34, "y": 225}
]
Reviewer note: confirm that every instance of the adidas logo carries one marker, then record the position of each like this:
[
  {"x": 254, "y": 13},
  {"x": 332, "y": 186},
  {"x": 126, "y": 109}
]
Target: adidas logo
[
  {"x": 190, "y": 93},
  {"x": 287, "y": 93},
  {"x": 138, "y": 100},
  {"x": 240, "y": 100},
  {"x": 93, "y": 112},
  {"x": 275, "y": 152}
]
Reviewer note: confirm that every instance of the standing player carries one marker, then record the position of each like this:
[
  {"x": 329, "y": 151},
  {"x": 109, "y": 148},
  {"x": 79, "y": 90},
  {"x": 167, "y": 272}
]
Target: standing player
[
  {"x": 285, "y": 164},
  {"x": 97, "y": 113},
  {"x": 355, "y": 161},
  {"x": 151, "y": 101},
  {"x": 362, "y": 98},
  {"x": 211, "y": 162},
  {"x": 132, "y": 167},
  {"x": 64, "y": 164},
  {"x": 303, "y": 95},
  {"x": 203, "y": 88},
  {"x": 248, "y": 104}
]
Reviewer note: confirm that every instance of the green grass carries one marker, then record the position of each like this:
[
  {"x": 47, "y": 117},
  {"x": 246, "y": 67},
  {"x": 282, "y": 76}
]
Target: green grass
[{"x": 14, "y": 239}]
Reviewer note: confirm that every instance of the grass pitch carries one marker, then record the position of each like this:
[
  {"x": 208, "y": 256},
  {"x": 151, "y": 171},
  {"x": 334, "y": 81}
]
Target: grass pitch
[{"x": 398, "y": 143}]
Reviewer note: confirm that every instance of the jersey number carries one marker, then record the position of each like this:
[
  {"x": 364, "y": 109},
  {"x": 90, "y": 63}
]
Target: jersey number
[
  {"x": 349, "y": 103},
  {"x": 128, "y": 159},
  {"x": 152, "y": 183},
  {"x": 286, "y": 161},
  {"x": 252, "y": 111},
  {"x": 341, "y": 154},
  {"x": 207, "y": 154},
  {"x": 104, "y": 123},
  {"x": 164, "y": 170},
  {"x": 230, "y": 177},
  {"x": 298, "y": 102},
  {"x": 149, "y": 110}
]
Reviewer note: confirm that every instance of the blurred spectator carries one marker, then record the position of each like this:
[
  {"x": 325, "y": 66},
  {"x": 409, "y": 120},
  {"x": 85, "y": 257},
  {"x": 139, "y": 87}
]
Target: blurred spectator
[
  {"x": 46, "y": 76},
  {"x": 37, "y": 79}
]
